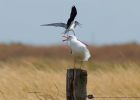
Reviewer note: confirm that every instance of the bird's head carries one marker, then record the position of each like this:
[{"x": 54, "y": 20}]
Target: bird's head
[
  {"x": 69, "y": 37},
  {"x": 77, "y": 23}
]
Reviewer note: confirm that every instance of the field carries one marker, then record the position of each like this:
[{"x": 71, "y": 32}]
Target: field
[{"x": 38, "y": 73}]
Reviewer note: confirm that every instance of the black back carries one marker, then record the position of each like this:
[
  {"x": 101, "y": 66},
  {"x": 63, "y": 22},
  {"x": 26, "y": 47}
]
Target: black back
[{"x": 72, "y": 16}]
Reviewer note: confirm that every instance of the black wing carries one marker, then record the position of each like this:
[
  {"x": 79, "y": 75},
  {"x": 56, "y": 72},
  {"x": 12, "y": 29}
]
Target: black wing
[
  {"x": 83, "y": 43},
  {"x": 72, "y": 16}
]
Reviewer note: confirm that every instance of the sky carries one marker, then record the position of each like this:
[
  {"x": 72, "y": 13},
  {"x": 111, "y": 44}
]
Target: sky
[{"x": 103, "y": 21}]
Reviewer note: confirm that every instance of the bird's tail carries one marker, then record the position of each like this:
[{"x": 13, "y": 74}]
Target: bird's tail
[{"x": 87, "y": 55}]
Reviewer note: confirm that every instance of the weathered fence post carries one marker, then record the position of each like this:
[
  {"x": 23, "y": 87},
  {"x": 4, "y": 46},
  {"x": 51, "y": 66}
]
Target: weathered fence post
[{"x": 76, "y": 84}]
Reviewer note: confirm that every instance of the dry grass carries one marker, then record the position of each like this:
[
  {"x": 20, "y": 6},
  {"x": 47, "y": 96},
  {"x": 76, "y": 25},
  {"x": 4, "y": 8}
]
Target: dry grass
[
  {"x": 18, "y": 77},
  {"x": 113, "y": 71}
]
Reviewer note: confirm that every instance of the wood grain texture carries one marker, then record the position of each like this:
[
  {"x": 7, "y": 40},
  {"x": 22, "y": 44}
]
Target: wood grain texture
[{"x": 76, "y": 84}]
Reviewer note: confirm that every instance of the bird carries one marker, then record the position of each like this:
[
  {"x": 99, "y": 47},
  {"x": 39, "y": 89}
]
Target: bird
[
  {"x": 71, "y": 23},
  {"x": 78, "y": 49}
]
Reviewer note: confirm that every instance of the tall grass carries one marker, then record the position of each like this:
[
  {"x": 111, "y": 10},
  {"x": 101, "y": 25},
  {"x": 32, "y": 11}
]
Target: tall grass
[
  {"x": 24, "y": 70},
  {"x": 20, "y": 77}
]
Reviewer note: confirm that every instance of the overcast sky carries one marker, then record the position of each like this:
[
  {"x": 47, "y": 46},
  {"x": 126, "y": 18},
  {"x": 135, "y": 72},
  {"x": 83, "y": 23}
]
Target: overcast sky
[{"x": 103, "y": 21}]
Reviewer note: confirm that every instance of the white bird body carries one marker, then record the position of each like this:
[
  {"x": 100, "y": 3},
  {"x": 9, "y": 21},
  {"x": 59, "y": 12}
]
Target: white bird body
[
  {"x": 72, "y": 26},
  {"x": 79, "y": 50}
]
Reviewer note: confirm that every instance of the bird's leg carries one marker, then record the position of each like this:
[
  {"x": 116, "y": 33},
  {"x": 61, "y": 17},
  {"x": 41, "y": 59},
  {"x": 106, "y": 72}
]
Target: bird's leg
[
  {"x": 73, "y": 32},
  {"x": 67, "y": 33},
  {"x": 81, "y": 63},
  {"x": 74, "y": 62}
]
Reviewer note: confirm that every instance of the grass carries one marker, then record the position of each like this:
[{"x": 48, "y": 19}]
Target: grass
[
  {"x": 25, "y": 70},
  {"x": 20, "y": 77}
]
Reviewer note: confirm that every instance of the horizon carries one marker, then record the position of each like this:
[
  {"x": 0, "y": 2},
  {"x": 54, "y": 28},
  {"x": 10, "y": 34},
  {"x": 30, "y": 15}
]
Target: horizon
[{"x": 65, "y": 44}]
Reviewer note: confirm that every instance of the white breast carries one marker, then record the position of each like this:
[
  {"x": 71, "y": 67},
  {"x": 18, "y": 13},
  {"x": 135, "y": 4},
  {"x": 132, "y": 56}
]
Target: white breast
[
  {"x": 79, "y": 50},
  {"x": 72, "y": 25}
]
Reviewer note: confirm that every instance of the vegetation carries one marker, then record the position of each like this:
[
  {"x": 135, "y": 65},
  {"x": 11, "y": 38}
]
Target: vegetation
[{"x": 25, "y": 70}]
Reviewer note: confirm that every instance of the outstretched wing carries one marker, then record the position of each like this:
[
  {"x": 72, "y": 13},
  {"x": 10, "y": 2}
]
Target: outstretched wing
[
  {"x": 73, "y": 13},
  {"x": 72, "y": 16},
  {"x": 56, "y": 25}
]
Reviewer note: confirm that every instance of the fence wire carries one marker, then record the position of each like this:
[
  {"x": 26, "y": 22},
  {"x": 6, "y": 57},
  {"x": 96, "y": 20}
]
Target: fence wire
[
  {"x": 116, "y": 98},
  {"x": 112, "y": 97}
]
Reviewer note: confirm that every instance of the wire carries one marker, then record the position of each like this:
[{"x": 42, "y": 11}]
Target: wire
[
  {"x": 118, "y": 97},
  {"x": 111, "y": 97}
]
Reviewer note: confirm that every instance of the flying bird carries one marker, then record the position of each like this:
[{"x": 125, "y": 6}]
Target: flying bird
[
  {"x": 78, "y": 49},
  {"x": 71, "y": 23}
]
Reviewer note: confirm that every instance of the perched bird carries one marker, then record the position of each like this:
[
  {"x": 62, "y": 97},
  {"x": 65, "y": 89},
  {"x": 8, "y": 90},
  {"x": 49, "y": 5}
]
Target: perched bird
[
  {"x": 78, "y": 48},
  {"x": 70, "y": 25}
]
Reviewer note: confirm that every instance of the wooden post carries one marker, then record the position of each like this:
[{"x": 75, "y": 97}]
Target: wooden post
[{"x": 76, "y": 84}]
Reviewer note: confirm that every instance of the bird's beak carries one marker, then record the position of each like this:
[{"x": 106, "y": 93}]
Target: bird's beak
[
  {"x": 66, "y": 38},
  {"x": 78, "y": 24}
]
